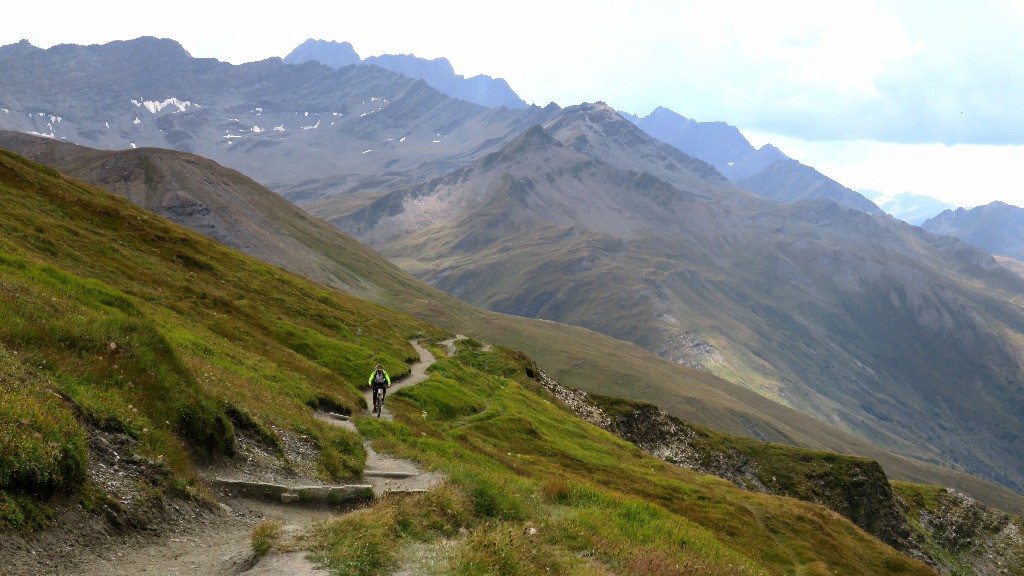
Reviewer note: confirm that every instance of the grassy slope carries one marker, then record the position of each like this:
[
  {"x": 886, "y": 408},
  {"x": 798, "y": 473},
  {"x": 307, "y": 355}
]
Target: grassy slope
[
  {"x": 533, "y": 491},
  {"x": 118, "y": 318},
  {"x": 136, "y": 324},
  {"x": 577, "y": 357}
]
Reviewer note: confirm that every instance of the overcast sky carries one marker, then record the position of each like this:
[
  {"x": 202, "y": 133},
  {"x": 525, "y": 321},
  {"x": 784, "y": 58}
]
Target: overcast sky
[{"x": 901, "y": 96}]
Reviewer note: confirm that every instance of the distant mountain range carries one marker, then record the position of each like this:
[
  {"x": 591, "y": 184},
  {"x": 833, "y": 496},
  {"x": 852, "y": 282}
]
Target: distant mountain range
[
  {"x": 438, "y": 73},
  {"x": 579, "y": 216},
  {"x": 304, "y": 129},
  {"x": 911, "y": 208},
  {"x": 766, "y": 172},
  {"x": 997, "y": 228}
]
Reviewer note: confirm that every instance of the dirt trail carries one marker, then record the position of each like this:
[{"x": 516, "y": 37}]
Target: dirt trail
[
  {"x": 387, "y": 473},
  {"x": 221, "y": 545},
  {"x": 216, "y": 548},
  {"x": 418, "y": 373}
]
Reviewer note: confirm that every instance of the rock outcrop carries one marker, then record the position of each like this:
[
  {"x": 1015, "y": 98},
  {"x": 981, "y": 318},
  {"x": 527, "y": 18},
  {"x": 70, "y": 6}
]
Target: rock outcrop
[{"x": 942, "y": 527}]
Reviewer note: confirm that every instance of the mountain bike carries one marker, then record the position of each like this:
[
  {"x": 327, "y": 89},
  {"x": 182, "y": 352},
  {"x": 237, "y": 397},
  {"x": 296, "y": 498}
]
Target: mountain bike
[{"x": 378, "y": 400}]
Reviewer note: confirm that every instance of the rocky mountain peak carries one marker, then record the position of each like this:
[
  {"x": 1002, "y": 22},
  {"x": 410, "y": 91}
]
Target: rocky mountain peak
[
  {"x": 438, "y": 73},
  {"x": 23, "y": 47},
  {"x": 331, "y": 53},
  {"x": 147, "y": 46},
  {"x": 997, "y": 228},
  {"x": 533, "y": 139}
]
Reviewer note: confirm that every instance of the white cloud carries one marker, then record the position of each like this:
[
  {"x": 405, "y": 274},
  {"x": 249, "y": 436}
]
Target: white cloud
[{"x": 962, "y": 174}]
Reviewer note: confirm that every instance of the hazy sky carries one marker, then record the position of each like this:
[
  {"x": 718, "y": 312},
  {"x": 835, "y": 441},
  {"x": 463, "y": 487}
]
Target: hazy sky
[{"x": 900, "y": 96}]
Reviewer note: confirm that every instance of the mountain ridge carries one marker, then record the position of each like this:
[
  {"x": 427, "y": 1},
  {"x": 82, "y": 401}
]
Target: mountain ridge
[
  {"x": 997, "y": 228},
  {"x": 285, "y": 125},
  {"x": 766, "y": 171},
  {"x": 438, "y": 72}
]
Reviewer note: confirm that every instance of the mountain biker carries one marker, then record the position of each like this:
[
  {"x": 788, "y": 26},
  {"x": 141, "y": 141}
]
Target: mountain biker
[{"x": 379, "y": 379}]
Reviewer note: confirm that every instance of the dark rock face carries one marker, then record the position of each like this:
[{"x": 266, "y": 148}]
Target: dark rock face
[{"x": 855, "y": 487}]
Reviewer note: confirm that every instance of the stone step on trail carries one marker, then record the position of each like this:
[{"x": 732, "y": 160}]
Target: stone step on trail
[
  {"x": 332, "y": 495},
  {"x": 390, "y": 474}
]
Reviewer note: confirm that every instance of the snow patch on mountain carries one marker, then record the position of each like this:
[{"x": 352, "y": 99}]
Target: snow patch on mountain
[{"x": 155, "y": 106}]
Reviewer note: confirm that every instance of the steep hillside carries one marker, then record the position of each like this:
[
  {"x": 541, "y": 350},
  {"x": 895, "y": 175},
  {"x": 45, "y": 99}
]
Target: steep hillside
[
  {"x": 226, "y": 206},
  {"x": 553, "y": 488},
  {"x": 121, "y": 324},
  {"x": 951, "y": 532},
  {"x": 863, "y": 321},
  {"x": 306, "y": 130},
  {"x": 997, "y": 228},
  {"x": 221, "y": 203}
]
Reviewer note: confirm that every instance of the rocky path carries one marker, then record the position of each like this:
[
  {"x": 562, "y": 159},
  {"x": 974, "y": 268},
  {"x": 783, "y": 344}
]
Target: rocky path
[
  {"x": 387, "y": 473},
  {"x": 221, "y": 545}
]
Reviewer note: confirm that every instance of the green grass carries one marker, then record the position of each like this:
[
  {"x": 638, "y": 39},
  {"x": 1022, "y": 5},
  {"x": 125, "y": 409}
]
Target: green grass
[
  {"x": 855, "y": 487},
  {"x": 364, "y": 543},
  {"x": 265, "y": 536},
  {"x": 541, "y": 492},
  {"x": 119, "y": 319}
]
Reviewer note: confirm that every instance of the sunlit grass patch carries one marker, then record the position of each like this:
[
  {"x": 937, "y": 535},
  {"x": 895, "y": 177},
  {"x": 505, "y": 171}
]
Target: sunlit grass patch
[
  {"x": 366, "y": 542},
  {"x": 265, "y": 536}
]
